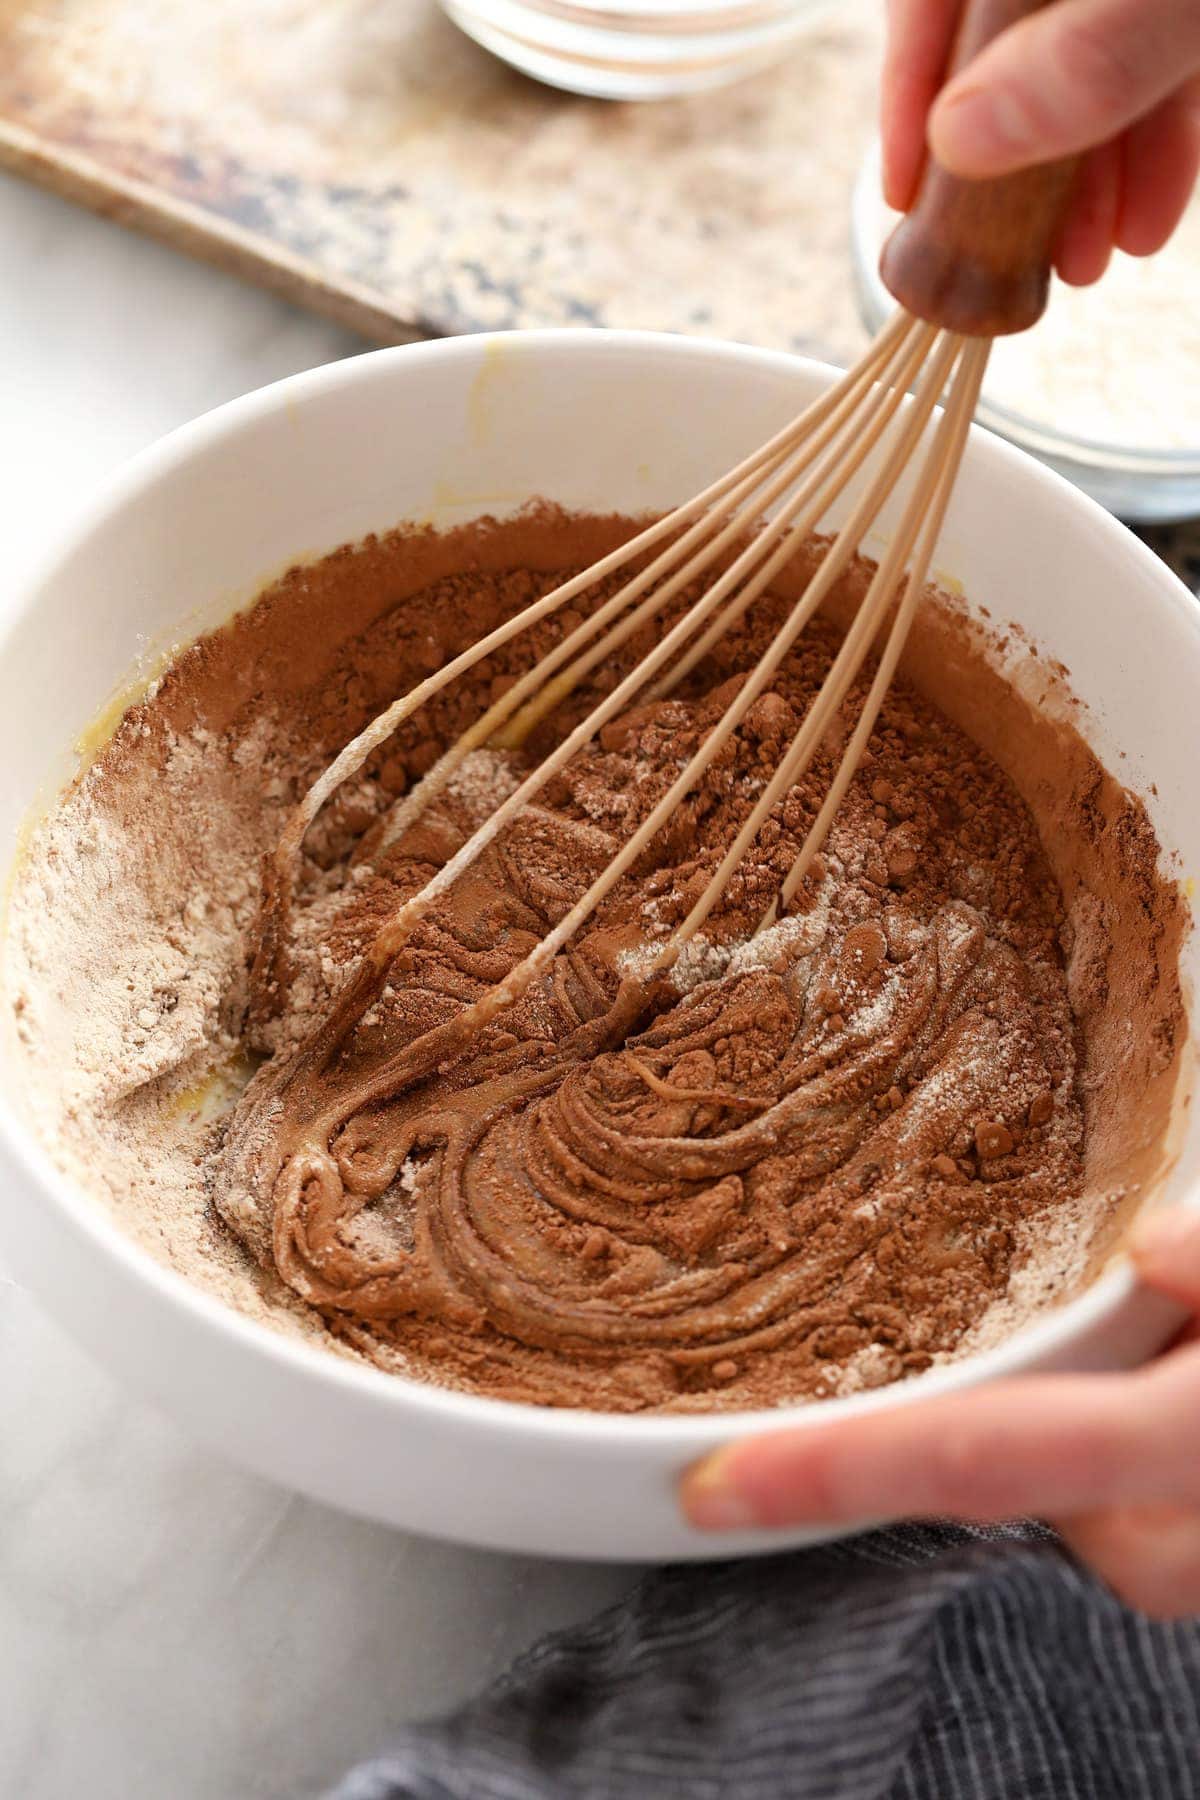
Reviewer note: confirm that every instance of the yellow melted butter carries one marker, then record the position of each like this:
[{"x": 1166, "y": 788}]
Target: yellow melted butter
[
  {"x": 100, "y": 730},
  {"x": 103, "y": 728},
  {"x": 215, "y": 1092}
]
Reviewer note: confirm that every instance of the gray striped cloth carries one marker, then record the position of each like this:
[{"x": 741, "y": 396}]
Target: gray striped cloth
[{"x": 924, "y": 1662}]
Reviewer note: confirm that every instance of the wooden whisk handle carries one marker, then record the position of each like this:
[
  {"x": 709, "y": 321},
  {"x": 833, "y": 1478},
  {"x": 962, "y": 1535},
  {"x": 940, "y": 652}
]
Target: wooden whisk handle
[{"x": 975, "y": 256}]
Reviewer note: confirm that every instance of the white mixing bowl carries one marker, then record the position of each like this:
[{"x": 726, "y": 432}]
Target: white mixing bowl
[{"x": 447, "y": 430}]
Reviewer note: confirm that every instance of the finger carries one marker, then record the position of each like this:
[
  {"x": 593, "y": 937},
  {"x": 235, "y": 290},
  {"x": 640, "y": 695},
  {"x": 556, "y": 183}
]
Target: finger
[
  {"x": 1165, "y": 1247},
  {"x": 1148, "y": 1555},
  {"x": 920, "y": 33},
  {"x": 1063, "y": 80},
  {"x": 1162, "y": 157},
  {"x": 1086, "y": 245},
  {"x": 1047, "y": 1444}
]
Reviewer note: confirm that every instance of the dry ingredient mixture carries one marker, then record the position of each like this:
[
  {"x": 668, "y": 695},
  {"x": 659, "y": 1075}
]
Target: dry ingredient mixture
[{"x": 822, "y": 1158}]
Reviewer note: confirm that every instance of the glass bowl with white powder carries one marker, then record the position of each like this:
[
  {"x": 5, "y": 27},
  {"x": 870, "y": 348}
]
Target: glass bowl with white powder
[
  {"x": 1106, "y": 388},
  {"x": 635, "y": 49}
]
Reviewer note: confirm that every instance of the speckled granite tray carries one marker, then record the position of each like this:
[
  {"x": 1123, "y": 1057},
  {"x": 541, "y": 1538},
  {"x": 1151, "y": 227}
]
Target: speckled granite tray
[{"x": 364, "y": 157}]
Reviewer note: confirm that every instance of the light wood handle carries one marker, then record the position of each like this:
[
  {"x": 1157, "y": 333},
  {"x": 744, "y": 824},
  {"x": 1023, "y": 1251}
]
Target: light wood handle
[{"x": 975, "y": 256}]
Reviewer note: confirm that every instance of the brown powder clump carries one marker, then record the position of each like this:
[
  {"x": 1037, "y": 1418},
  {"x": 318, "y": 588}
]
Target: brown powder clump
[{"x": 816, "y": 1159}]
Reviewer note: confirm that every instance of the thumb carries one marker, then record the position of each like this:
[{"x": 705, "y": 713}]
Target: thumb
[
  {"x": 1069, "y": 77},
  {"x": 1165, "y": 1247}
]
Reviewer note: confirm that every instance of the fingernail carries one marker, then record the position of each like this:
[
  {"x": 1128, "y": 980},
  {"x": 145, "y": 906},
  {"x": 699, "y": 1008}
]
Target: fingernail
[
  {"x": 710, "y": 1499},
  {"x": 974, "y": 128},
  {"x": 1167, "y": 1234}
]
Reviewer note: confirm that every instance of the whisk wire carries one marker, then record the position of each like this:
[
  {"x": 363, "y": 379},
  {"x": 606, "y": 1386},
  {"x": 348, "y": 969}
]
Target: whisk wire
[
  {"x": 855, "y": 646},
  {"x": 824, "y": 450},
  {"x": 396, "y": 931},
  {"x": 931, "y": 499},
  {"x": 800, "y": 518},
  {"x": 355, "y": 754}
]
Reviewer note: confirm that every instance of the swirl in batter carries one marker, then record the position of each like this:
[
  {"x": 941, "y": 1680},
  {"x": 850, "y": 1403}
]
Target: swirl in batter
[{"x": 802, "y": 1165}]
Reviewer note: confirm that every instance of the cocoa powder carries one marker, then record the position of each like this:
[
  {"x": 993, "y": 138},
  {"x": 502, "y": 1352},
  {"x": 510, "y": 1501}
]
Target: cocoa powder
[
  {"x": 822, "y": 1158},
  {"x": 744, "y": 1195}
]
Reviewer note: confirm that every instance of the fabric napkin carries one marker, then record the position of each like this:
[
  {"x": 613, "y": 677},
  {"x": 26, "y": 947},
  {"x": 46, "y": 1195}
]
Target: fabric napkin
[{"x": 922, "y": 1662}]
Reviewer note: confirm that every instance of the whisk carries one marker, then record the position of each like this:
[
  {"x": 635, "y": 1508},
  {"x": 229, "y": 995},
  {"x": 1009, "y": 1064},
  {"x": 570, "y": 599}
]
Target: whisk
[{"x": 971, "y": 261}]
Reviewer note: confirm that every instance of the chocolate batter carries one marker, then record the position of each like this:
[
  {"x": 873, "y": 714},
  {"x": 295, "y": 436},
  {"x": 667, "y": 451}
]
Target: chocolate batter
[
  {"x": 618, "y": 1194},
  {"x": 812, "y": 1160}
]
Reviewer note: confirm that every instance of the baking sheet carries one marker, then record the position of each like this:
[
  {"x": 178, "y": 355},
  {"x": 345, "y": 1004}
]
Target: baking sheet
[{"x": 365, "y": 158}]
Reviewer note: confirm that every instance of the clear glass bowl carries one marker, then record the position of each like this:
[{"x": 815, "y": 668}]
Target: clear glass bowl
[
  {"x": 1133, "y": 480},
  {"x": 634, "y": 49}
]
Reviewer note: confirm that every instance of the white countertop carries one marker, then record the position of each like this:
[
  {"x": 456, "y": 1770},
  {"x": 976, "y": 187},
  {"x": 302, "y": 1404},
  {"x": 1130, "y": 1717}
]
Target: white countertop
[{"x": 170, "y": 1626}]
